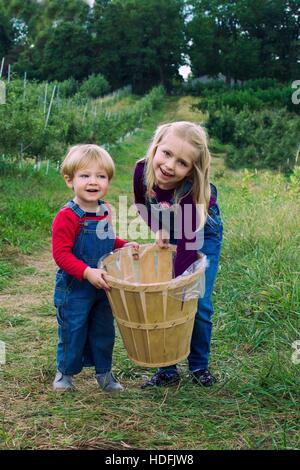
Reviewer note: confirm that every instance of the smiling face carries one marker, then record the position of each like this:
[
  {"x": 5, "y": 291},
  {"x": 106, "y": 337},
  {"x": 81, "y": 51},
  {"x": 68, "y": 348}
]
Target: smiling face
[
  {"x": 90, "y": 183},
  {"x": 173, "y": 161}
]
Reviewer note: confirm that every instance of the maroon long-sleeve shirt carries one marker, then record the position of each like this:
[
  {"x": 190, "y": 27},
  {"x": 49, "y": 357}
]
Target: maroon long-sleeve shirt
[{"x": 188, "y": 242}]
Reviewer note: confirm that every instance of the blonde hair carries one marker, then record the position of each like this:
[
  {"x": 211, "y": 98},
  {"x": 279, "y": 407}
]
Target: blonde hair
[
  {"x": 79, "y": 156},
  {"x": 195, "y": 135}
]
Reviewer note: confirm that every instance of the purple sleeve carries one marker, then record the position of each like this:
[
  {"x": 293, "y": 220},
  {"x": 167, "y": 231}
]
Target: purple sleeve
[
  {"x": 187, "y": 243},
  {"x": 139, "y": 194},
  {"x": 213, "y": 195},
  {"x": 212, "y": 201}
]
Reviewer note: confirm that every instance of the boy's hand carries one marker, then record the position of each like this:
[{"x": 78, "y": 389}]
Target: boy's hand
[
  {"x": 96, "y": 277},
  {"x": 162, "y": 238}
]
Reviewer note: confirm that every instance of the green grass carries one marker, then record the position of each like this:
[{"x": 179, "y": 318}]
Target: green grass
[
  {"x": 30, "y": 203},
  {"x": 254, "y": 405}
]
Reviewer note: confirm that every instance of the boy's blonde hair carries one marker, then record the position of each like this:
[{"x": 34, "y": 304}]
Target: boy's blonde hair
[
  {"x": 195, "y": 135},
  {"x": 79, "y": 156}
]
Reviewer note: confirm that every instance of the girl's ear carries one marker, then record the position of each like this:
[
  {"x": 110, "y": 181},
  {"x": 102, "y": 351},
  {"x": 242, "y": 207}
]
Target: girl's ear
[{"x": 69, "y": 181}]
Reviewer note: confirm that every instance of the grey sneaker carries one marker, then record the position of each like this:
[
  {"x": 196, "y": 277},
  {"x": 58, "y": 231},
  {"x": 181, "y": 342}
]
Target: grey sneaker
[
  {"x": 108, "y": 383},
  {"x": 62, "y": 382}
]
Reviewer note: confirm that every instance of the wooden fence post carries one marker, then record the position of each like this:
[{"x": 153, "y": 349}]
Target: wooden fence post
[
  {"x": 2, "y": 66},
  {"x": 24, "y": 85},
  {"x": 50, "y": 106},
  {"x": 45, "y": 97}
]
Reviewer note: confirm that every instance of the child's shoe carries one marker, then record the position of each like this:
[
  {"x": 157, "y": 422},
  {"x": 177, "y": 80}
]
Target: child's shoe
[
  {"x": 62, "y": 382},
  {"x": 162, "y": 379},
  {"x": 108, "y": 383},
  {"x": 203, "y": 377}
]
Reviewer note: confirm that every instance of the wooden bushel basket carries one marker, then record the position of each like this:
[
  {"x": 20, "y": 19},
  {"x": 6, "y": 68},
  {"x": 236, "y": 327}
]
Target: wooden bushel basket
[{"x": 154, "y": 313}]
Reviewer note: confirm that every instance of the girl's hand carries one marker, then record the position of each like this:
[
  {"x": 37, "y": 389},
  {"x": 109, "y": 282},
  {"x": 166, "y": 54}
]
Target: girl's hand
[
  {"x": 134, "y": 245},
  {"x": 162, "y": 238},
  {"x": 96, "y": 277}
]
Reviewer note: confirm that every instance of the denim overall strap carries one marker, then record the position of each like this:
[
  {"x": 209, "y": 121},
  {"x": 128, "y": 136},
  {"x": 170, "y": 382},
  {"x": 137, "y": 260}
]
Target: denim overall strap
[
  {"x": 102, "y": 210},
  {"x": 75, "y": 208},
  {"x": 183, "y": 190},
  {"x": 214, "y": 191}
]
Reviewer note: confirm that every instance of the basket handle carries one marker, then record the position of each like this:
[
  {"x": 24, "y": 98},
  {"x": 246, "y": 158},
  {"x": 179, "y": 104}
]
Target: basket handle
[{"x": 149, "y": 248}]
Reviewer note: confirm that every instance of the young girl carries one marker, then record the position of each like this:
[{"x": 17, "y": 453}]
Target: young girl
[
  {"x": 174, "y": 178},
  {"x": 81, "y": 234}
]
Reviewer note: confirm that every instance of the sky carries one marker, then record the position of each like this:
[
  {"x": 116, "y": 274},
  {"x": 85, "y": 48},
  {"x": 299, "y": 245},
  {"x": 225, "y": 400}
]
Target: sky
[{"x": 184, "y": 71}]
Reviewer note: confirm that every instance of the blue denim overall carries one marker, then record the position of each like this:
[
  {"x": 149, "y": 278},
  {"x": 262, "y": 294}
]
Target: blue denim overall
[
  {"x": 86, "y": 330},
  {"x": 202, "y": 331}
]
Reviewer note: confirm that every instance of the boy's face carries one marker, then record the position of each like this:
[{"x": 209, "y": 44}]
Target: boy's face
[{"x": 89, "y": 185}]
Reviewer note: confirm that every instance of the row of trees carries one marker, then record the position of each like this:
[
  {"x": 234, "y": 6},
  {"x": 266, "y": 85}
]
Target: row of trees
[
  {"x": 246, "y": 39},
  {"x": 144, "y": 42}
]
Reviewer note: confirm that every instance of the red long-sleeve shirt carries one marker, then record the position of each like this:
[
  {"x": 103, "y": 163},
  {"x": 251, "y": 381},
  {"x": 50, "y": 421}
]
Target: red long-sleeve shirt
[{"x": 65, "y": 229}]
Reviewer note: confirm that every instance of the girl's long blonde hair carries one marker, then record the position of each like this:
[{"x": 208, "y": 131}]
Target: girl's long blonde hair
[{"x": 195, "y": 135}]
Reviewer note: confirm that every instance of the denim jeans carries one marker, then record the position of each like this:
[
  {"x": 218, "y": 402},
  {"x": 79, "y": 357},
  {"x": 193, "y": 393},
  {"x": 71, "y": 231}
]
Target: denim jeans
[
  {"x": 202, "y": 331},
  {"x": 86, "y": 330}
]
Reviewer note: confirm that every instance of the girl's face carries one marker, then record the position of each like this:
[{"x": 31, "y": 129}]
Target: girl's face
[
  {"x": 89, "y": 184},
  {"x": 173, "y": 161}
]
